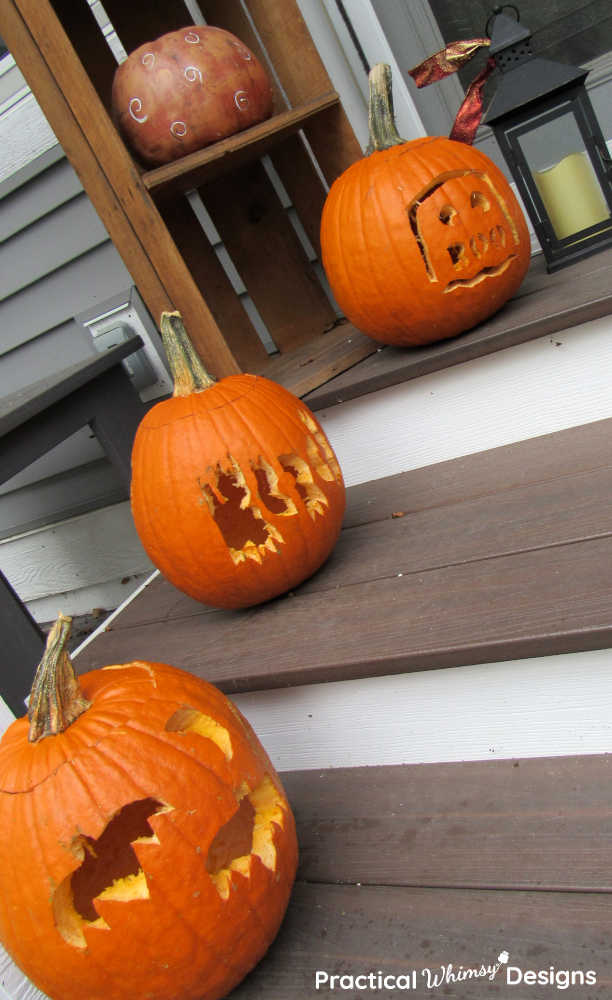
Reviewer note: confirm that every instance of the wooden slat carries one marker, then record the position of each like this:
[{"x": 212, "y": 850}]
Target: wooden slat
[
  {"x": 540, "y": 823},
  {"x": 537, "y": 603},
  {"x": 288, "y": 43},
  {"x": 353, "y": 930},
  {"x": 206, "y": 164},
  {"x": 291, "y": 160},
  {"x": 544, "y": 305},
  {"x": 80, "y": 121},
  {"x": 136, "y": 23},
  {"x": 334, "y": 350},
  {"x": 512, "y": 521},
  {"x": 523, "y": 569},
  {"x": 265, "y": 249},
  {"x": 67, "y": 128},
  {"x": 214, "y": 284}
]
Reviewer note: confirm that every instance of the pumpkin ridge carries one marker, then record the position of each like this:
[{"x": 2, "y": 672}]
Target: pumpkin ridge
[
  {"x": 362, "y": 176},
  {"x": 62, "y": 764},
  {"x": 391, "y": 242},
  {"x": 167, "y": 743}
]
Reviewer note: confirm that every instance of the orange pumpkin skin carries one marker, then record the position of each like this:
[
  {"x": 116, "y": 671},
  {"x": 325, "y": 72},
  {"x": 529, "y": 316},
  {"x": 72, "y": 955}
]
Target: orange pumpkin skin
[
  {"x": 237, "y": 495},
  {"x": 422, "y": 241},
  {"x": 159, "y": 736}
]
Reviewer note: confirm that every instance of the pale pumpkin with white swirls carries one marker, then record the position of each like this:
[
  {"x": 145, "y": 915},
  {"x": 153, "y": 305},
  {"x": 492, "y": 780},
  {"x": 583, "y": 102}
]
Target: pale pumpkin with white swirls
[{"x": 186, "y": 90}]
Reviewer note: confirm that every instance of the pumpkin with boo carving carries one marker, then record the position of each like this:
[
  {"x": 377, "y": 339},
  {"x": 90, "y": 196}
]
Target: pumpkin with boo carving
[
  {"x": 188, "y": 89},
  {"x": 147, "y": 847},
  {"x": 236, "y": 493},
  {"x": 420, "y": 240}
]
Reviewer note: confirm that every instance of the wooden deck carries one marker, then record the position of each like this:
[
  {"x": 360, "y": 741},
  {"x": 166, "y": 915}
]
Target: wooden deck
[
  {"x": 416, "y": 868},
  {"x": 432, "y": 871},
  {"x": 499, "y": 555}
]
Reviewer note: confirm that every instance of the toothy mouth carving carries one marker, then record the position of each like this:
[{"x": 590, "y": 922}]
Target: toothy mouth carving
[{"x": 487, "y": 272}]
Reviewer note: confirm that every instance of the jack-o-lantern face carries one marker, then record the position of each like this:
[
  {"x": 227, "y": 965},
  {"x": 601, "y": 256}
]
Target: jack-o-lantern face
[
  {"x": 237, "y": 495},
  {"x": 463, "y": 215},
  {"x": 422, "y": 241},
  {"x": 148, "y": 850}
]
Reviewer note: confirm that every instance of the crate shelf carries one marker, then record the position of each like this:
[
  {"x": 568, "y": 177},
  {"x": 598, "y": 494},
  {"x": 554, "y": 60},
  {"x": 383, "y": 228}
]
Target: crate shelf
[
  {"x": 197, "y": 168},
  {"x": 160, "y": 236}
]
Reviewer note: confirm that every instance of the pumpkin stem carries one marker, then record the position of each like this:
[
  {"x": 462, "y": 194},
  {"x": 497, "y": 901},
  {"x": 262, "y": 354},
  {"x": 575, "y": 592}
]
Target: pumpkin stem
[
  {"x": 381, "y": 120},
  {"x": 188, "y": 372},
  {"x": 56, "y": 699}
]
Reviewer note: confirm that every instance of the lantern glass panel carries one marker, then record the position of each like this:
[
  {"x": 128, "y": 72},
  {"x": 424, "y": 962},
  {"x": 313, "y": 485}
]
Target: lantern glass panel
[{"x": 556, "y": 155}]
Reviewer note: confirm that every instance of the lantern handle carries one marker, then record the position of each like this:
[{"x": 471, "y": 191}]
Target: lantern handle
[{"x": 498, "y": 8}]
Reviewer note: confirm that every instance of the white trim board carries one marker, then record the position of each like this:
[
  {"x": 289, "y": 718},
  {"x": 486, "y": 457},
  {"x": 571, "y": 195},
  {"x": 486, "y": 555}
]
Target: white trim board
[
  {"x": 539, "y": 707},
  {"x": 545, "y": 385}
]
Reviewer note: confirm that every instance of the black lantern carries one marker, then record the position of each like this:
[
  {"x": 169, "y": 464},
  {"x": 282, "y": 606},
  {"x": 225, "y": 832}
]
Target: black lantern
[{"x": 551, "y": 140}]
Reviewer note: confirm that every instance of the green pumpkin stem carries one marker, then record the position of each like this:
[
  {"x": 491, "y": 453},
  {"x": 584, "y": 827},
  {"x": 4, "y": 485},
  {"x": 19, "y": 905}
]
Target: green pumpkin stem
[
  {"x": 381, "y": 120},
  {"x": 188, "y": 372},
  {"x": 56, "y": 699}
]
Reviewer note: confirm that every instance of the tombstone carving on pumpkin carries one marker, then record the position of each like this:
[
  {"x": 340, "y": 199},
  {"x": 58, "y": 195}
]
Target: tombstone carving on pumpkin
[{"x": 420, "y": 240}]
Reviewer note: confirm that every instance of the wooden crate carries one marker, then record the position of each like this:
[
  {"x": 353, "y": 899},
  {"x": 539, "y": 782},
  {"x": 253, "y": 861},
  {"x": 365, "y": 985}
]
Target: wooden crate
[{"x": 307, "y": 143}]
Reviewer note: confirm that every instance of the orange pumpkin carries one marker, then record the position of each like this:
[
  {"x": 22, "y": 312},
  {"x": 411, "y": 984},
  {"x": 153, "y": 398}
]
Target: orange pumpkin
[
  {"x": 237, "y": 495},
  {"x": 147, "y": 847},
  {"x": 420, "y": 240}
]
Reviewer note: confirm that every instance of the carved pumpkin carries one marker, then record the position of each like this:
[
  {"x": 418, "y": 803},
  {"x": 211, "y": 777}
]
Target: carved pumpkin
[
  {"x": 188, "y": 89},
  {"x": 147, "y": 847},
  {"x": 420, "y": 240},
  {"x": 237, "y": 495}
]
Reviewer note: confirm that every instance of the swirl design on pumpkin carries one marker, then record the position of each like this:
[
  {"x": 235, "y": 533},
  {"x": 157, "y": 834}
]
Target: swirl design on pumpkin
[
  {"x": 192, "y": 38},
  {"x": 148, "y": 59},
  {"x": 244, "y": 52},
  {"x": 135, "y": 107},
  {"x": 178, "y": 129},
  {"x": 241, "y": 100},
  {"x": 192, "y": 73}
]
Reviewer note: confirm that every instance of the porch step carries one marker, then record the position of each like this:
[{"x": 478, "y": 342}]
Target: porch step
[
  {"x": 413, "y": 868},
  {"x": 431, "y": 870},
  {"x": 495, "y": 556}
]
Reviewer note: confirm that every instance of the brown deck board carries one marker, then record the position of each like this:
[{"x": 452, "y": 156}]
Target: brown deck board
[
  {"x": 545, "y": 304},
  {"x": 492, "y": 566},
  {"x": 539, "y": 823},
  {"x": 350, "y": 929},
  {"x": 535, "y": 603},
  {"x": 444, "y": 864}
]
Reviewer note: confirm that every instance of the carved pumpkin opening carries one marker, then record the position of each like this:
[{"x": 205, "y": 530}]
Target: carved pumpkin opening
[
  {"x": 479, "y": 200},
  {"x": 190, "y": 720},
  {"x": 313, "y": 496},
  {"x": 232, "y": 512},
  {"x": 267, "y": 486},
  {"x": 250, "y": 831},
  {"x": 233, "y": 840},
  {"x": 245, "y": 532},
  {"x": 109, "y": 869},
  {"x": 457, "y": 253},
  {"x": 447, "y": 215}
]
